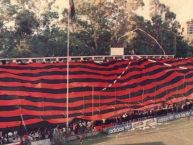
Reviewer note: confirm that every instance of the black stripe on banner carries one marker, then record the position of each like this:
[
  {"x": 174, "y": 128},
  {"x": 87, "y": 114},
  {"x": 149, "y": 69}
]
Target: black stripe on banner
[
  {"x": 26, "y": 67},
  {"x": 32, "y": 99}
]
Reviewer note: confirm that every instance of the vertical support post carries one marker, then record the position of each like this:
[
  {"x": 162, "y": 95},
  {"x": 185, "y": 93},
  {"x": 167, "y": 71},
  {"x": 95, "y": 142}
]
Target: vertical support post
[
  {"x": 92, "y": 101},
  {"x": 92, "y": 107},
  {"x": 67, "y": 70}
]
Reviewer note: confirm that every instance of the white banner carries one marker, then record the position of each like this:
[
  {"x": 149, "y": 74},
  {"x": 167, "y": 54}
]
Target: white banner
[
  {"x": 18, "y": 143},
  {"x": 138, "y": 125},
  {"x": 117, "y": 51},
  {"x": 145, "y": 123},
  {"x": 151, "y": 122}
]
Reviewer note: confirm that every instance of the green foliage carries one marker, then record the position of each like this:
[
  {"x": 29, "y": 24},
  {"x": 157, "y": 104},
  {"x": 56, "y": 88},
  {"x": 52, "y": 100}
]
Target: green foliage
[
  {"x": 52, "y": 42},
  {"x": 24, "y": 32},
  {"x": 164, "y": 28},
  {"x": 26, "y": 23}
]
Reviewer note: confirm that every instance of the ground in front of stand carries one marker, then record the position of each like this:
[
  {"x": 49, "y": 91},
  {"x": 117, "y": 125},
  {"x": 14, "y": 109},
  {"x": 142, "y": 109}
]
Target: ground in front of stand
[{"x": 178, "y": 132}]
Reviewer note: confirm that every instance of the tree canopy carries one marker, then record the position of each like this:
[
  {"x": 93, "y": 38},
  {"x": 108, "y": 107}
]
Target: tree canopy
[{"x": 36, "y": 29}]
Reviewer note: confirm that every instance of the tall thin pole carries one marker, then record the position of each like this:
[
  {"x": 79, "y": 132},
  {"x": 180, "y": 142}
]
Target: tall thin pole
[
  {"x": 67, "y": 70},
  {"x": 23, "y": 122},
  {"x": 92, "y": 100},
  {"x": 115, "y": 101},
  {"x": 154, "y": 99},
  {"x": 142, "y": 98},
  {"x": 185, "y": 85},
  {"x": 155, "y": 93},
  {"x": 84, "y": 105},
  {"x": 99, "y": 104},
  {"x": 92, "y": 107}
]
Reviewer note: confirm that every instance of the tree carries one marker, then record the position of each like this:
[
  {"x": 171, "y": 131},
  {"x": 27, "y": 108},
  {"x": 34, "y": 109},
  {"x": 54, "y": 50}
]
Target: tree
[
  {"x": 51, "y": 42},
  {"x": 167, "y": 28},
  {"x": 189, "y": 45},
  {"x": 163, "y": 27},
  {"x": 26, "y": 23},
  {"x": 137, "y": 41},
  {"x": 17, "y": 39},
  {"x": 99, "y": 25},
  {"x": 7, "y": 35},
  {"x": 31, "y": 28}
]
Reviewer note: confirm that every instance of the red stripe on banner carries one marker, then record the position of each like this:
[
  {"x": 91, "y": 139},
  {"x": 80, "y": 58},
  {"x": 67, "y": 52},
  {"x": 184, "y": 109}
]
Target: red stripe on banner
[{"x": 118, "y": 86}]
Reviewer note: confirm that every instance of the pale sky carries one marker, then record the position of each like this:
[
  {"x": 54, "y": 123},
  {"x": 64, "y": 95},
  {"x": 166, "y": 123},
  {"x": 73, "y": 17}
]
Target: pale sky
[{"x": 182, "y": 8}]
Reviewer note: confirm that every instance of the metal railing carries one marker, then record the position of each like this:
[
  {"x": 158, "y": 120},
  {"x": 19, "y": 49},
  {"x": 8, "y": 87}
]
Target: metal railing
[{"x": 82, "y": 58}]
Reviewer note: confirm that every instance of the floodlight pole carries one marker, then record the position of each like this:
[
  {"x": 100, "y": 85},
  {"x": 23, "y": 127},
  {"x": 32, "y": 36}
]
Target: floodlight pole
[{"x": 67, "y": 70}]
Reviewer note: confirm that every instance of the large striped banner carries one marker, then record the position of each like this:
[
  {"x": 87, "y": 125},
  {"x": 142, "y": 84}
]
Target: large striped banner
[{"x": 35, "y": 93}]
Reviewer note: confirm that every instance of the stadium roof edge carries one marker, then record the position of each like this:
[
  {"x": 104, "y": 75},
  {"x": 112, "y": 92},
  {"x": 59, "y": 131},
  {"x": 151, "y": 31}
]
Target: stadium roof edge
[{"x": 97, "y": 58}]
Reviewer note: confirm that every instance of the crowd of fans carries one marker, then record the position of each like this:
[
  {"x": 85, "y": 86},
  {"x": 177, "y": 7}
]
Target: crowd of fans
[
  {"x": 80, "y": 127},
  {"x": 58, "y": 133},
  {"x": 142, "y": 115}
]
